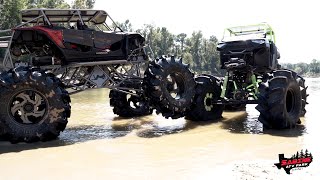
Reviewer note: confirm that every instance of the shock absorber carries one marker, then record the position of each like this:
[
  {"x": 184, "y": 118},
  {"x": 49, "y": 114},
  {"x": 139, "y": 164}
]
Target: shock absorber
[{"x": 225, "y": 83}]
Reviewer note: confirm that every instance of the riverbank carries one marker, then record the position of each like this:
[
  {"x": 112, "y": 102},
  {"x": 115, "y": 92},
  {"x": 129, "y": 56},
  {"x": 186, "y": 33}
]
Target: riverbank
[{"x": 311, "y": 75}]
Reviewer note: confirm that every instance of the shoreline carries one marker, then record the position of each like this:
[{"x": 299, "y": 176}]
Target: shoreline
[{"x": 311, "y": 76}]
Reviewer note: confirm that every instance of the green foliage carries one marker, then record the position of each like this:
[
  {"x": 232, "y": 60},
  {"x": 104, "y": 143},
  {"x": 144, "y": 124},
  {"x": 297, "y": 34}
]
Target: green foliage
[
  {"x": 61, "y": 4},
  {"x": 312, "y": 69},
  {"x": 10, "y": 9},
  {"x": 126, "y": 26},
  {"x": 196, "y": 50},
  {"x": 9, "y": 13},
  {"x": 83, "y": 4}
]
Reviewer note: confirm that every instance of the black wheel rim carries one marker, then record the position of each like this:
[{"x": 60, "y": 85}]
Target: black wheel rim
[
  {"x": 175, "y": 86},
  {"x": 135, "y": 103},
  {"x": 207, "y": 101},
  {"x": 28, "y": 107}
]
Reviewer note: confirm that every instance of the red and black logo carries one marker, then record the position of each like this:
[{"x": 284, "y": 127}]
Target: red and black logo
[{"x": 298, "y": 160}]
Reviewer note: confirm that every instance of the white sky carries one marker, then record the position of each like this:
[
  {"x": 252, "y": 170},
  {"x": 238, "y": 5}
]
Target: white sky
[{"x": 296, "y": 23}]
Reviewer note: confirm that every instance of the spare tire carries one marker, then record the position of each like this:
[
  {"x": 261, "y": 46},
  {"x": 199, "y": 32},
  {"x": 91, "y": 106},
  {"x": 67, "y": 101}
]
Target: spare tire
[{"x": 170, "y": 86}]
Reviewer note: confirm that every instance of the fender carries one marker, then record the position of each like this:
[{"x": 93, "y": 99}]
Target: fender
[{"x": 54, "y": 35}]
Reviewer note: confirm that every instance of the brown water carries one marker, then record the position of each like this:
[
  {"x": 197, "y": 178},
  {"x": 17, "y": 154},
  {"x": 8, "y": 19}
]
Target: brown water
[{"x": 99, "y": 145}]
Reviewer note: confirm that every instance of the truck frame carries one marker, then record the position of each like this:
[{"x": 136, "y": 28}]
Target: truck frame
[{"x": 57, "y": 52}]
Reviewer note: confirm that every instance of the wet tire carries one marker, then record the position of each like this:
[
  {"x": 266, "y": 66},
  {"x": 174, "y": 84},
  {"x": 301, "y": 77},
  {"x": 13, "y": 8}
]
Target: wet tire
[
  {"x": 304, "y": 95},
  {"x": 170, "y": 86},
  {"x": 34, "y": 105},
  {"x": 279, "y": 101},
  {"x": 208, "y": 90},
  {"x": 126, "y": 105}
]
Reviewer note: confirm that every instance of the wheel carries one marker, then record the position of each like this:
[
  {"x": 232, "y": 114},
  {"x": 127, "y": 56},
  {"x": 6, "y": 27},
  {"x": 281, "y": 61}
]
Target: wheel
[
  {"x": 303, "y": 90},
  {"x": 279, "y": 102},
  {"x": 304, "y": 95},
  {"x": 208, "y": 90},
  {"x": 34, "y": 105},
  {"x": 170, "y": 86},
  {"x": 126, "y": 105}
]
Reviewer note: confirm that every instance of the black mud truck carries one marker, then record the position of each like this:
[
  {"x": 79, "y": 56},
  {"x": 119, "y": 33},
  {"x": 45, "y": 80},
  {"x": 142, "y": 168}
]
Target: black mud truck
[
  {"x": 54, "y": 53},
  {"x": 250, "y": 57}
]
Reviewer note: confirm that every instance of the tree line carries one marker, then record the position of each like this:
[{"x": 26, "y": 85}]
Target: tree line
[
  {"x": 196, "y": 50},
  {"x": 306, "y": 69}
]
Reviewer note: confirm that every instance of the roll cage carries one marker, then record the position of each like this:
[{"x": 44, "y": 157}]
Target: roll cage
[
  {"x": 255, "y": 31},
  {"x": 68, "y": 16},
  {"x": 100, "y": 19}
]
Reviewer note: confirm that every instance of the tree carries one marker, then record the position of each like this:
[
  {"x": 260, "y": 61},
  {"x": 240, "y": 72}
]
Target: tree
[
  {"x": 61, "y": 4},
  {"x": 126, "y": 26},
  {"x": 315, "y": 66},
  {"x": 181, "y": 39},
  {"x": 166, "y": 41},
  {"x": 195, "y": 48},
  {"x": 10, "y": 13},
  {"x": 210, "y": 56},
  {"x": 83, "y": 4},
  {"x": 148, "y": 31},
  {"x": 10, "y": 9}
]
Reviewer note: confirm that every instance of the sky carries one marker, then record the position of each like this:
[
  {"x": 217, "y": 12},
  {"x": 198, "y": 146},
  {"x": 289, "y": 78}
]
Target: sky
[{"x": 296, "y": 23}]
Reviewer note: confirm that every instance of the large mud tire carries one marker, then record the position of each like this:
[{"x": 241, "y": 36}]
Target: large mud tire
[
  {"x": 170, "y": 86},
  {"x": 279, "y": 101},
  {"x": 34, "y": 105},
  {"x": 126, "y": 105},
  {"x": 208, "y": 90}
]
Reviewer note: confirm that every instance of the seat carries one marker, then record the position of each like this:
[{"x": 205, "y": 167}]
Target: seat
[{"x": 79, "y": 25}]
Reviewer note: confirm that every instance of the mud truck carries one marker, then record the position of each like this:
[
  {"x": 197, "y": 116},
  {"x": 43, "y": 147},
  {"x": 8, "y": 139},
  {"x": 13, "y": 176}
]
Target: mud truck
[
  {"x": 57, "y": 52},
  {"x": 250, "y": 57}
]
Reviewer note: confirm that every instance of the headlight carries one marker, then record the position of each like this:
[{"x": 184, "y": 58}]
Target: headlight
[
  {"x": 220, "y": 46},
  {"x": 258, "y": 41}
]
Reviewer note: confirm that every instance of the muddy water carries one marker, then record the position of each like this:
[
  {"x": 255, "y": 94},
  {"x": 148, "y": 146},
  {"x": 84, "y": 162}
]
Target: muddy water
[{"x": 99, "y": 145}]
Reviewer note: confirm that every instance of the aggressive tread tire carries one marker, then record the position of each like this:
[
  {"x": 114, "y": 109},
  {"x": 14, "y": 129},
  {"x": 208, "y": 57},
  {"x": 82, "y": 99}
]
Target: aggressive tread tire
[
  {"x": 279, "y": 101},
  {"x": 161, "y": 78},
  {"x": 304, "y": 95},
  {"x": 207, "y": 90},
  {"x": 27, "y": 85}
]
